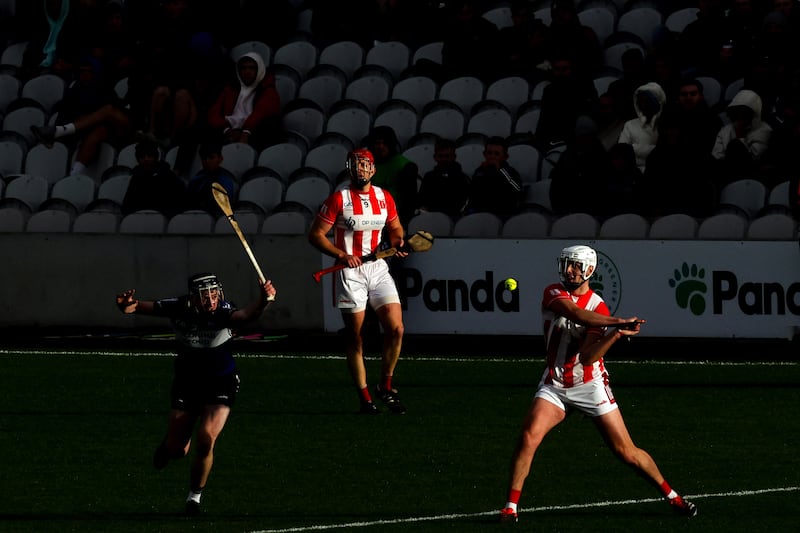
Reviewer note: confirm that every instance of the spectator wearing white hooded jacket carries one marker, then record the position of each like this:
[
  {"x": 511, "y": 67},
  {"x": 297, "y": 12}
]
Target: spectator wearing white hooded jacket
[
  {"x": 642, "y": 132},
  {"x": 741, "y": 144},
  {"x": 248, "y": 111}
]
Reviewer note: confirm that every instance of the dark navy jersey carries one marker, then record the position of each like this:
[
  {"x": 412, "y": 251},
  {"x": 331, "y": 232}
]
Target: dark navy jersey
[{"x": 204, "y": 339}]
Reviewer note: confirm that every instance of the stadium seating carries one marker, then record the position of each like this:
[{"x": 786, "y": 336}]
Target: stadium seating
[
  {"x": 12, "y": 156},
  {"x": 354, "y": 123},
  {"x": 13, "y": 219},
  {"x": 730, "y": 226},
  {"x": 9, "y": 90},
  {"x": 249, "y": 222},
  {"x": 237, "y": 158},
  {"x": 50, "y": 221},
  {"x": 329, "y": 158},
  {"x": 310, "y": 192},
  {"x": 525, "y": 159},
  {"x": 21, "y": 119},
  {"x": 491, "y": 122},
  {"x": 96, "y": 222},
  {"x": 263, "y": 192},
  {"x": 370, "y": 89},
  {"x": 575, "y": 226},
  {"x": 347, "y": 55},
  {"x": 404, "y": 122},
  {"x": 624, "y": 226},
  {"x": 512, "y": 92},
  {"x": 478, "y": 226},
  {"x": 436, "y": 223},
  {"x": 31, "y": 190},
  {"x": 395, "y": 56},
  {"x": 422, "y": 155},
  {"x": 600, "y": 19},
  {"x": 530, "y": 225},
  {"x": 285, "y": 223},
  {"x": 46, "y": 89},
  {"x": 775, "y": 226},
  {"x": 674, "y": 226},
  {"x": 747, "y": 196},
  {"x": 191, "y": 222},
  {"x": 284, "y": 158},
  {"x": 300, "y": 55},
  {"x": 416, "y": 90},
  {"x": 446, "y": 123},
  {"x": 465, "y": 92},
  {"x": 78, "y": 189},
  {"x": 143, "y": 222},
  {"x": 430, "y": 51},
  {"x": 114, "y": 189}
]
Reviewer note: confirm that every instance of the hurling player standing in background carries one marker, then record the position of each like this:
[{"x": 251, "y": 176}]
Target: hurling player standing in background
[
  {"x": 358, "y": 212},
  {"x": 575, "y": 322},
  {"x": 206, "y": 381}
]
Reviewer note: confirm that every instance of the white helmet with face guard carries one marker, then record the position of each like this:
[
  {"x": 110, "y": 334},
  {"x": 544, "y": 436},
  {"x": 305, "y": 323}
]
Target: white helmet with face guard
[{"x": 581, "y": 257}]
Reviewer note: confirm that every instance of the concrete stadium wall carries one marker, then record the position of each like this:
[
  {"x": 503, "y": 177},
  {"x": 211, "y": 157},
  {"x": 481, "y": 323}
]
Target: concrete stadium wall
[{"x": 58, "y": 280}]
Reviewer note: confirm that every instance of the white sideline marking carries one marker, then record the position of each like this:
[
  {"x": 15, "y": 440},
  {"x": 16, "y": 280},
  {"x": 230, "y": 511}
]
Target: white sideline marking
[
  {"x": 526, "y": 509},
  {"x": 436, "y": 359}
]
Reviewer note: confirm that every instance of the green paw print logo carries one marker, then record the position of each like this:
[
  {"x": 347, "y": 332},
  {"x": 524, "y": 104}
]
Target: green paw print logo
[{"x": 689, "y": 288}]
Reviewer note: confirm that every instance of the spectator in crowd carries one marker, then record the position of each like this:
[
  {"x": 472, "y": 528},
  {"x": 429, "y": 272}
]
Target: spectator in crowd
[
  {"x": 524, "y": 45},
  {"x": 700, "y": 42},
  {"x": 679, "y": 177},
  {"x": 249, "y": 111},
  {"x": 634, "y": 75},
  {"x": 620, "y": 191},
  {"x": 153, "y": 185},
  {"x": 71, "y": 34},
  {"x": 394, "y": 172},
  {"x": 445, "y": 187},
  {"x": 496, "y": 186},
  {"x": 180, "y": 70},
  {"x": 579, "y": 178},
  {"x": 642, "y": 132},
  {"x": 469, "y": 43},
  {"x": 697, "y": 122},
  {"x": 609, "y": 122},
  {"x": 567, "y": 97},
  {"x": 741, "y": 144},
  {"x": 198, "y": 192},
  {"x": 90, "y": 114},
  {"x": 571, "y": 38}
]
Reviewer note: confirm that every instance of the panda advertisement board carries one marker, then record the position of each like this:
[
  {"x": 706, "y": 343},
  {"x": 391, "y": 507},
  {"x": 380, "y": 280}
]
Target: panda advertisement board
[{"x": 721, "y": 289}]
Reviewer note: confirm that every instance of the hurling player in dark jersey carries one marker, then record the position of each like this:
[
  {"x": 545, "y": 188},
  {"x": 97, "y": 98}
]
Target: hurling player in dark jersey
[{"x": 205, "y": 381}]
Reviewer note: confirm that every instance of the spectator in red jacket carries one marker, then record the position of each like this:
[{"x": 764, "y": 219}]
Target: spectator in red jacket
[{"x": 248, "y": 112}]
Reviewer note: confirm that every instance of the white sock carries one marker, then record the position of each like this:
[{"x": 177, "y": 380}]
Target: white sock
[
  {"x": 672, "y": 494},
  {"x": 66, "y": 129},
  {"x": 78, "y": 168},
  {"x": 512, "y": 506},
  {"x": 194, "y": 496}
]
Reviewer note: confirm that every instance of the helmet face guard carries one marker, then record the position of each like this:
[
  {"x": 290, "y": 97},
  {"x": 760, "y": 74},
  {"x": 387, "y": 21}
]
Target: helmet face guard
[
  {"x": 205, "y": 291},
  {"x": 360, "y": 166},
  {"x": 581, "y": 258}
]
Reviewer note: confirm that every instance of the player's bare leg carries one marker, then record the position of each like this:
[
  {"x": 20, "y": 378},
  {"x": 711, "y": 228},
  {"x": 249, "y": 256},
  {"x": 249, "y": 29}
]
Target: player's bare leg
[
  {"x": 354, "y": 351},
  {"x": 541, "y": 418},
  {"x": 179, "y": 436},
  {"x": 211, "y": 423},
  {"x": 615, "y": 433},
  {"x": 391, "y": 319}
]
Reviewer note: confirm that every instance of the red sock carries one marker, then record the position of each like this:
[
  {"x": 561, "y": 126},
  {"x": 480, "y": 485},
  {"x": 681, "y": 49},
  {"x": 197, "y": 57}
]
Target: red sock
[
  {"x": 387, "y": 383},
  {"x": 364, "y": 394},
  {"x": 513, "y": 495},
  {"x": 667, "y": 490}
]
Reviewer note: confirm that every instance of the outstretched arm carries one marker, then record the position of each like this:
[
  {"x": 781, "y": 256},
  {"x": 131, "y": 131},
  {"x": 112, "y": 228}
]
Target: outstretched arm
[
  {"x": 568, "y": 309},
  {"x": 129, "y": 305},
  {"x": 254, "y": 309}
]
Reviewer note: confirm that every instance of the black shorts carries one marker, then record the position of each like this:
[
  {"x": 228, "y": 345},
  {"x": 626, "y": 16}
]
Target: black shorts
[{"x": 191, "y": 393}]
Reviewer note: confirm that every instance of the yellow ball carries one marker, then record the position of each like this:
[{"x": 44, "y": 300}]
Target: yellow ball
[{"x": 511, "y": 284}]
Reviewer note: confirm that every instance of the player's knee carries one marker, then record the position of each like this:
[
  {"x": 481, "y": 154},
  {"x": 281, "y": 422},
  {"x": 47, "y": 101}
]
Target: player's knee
[{"x": 396, "y": 331}]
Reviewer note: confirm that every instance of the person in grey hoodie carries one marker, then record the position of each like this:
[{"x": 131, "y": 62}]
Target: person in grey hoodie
[
  {"x": 642, "y": 132},
  {"x": 741, "y": 144}
]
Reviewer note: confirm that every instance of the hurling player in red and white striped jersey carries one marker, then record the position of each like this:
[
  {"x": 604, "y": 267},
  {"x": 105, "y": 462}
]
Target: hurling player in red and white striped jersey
[
  {"x": 575, "y": 329},
  {"x": 357, "y": 213}
]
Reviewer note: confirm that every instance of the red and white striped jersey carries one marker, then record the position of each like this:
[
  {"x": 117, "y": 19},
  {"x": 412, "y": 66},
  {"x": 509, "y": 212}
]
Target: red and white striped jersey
[
  {"x": 563, "y": 339},
  {"x": 358, "y": 218}
]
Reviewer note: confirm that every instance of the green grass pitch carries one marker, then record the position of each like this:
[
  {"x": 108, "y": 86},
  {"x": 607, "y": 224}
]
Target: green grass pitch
[{"x": 77, "y": 431}]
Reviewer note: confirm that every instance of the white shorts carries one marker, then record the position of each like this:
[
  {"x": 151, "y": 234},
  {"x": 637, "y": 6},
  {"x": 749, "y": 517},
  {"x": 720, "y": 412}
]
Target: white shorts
[
  {"x": 594, "y": 398},
  {"x": 369, "y": 283}
]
